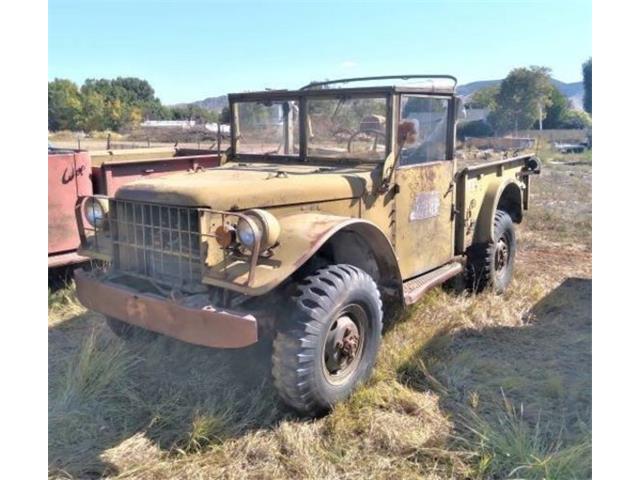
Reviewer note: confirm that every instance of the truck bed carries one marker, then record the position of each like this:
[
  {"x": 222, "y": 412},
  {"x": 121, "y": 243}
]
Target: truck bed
[
  {"x": 479, "y": 187},
  {"x": 113, "y": 168}
]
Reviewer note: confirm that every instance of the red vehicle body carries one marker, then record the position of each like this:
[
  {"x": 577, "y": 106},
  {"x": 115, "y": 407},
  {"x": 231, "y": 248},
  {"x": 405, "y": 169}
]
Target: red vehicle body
[{"x": 76, "y": 173}]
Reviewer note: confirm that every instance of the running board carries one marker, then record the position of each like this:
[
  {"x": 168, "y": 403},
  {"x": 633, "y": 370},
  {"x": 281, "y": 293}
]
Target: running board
[{"x": 415, "y": 288}]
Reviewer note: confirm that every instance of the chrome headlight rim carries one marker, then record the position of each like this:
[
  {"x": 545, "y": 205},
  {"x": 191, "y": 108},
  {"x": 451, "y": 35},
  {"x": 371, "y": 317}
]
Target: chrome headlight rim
[
  {"x": 246, "y": 231},
  {"x": 95, "y": 212},
  {"x": 265, "y": 224}
]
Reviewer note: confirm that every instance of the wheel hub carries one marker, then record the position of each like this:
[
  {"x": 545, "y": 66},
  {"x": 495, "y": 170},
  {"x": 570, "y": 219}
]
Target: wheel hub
[
  {"x": 341, "y": 345},
  {"x": 501, "y": 255}
]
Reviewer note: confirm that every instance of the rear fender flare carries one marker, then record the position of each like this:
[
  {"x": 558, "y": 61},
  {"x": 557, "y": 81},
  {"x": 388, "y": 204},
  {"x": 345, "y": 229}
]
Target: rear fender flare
[{"x": 483, "y": 232}]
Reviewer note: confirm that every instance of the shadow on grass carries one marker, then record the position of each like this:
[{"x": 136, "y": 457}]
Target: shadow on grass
[
  {"x": 61, "y": 277},
  {"x": 180, "y": 397},
  {"x": 540, "y": 373}
]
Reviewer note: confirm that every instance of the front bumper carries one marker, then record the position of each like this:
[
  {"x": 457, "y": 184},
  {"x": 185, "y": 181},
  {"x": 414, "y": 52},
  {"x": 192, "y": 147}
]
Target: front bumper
[
  {"x": 206, "y": 326},
  {"x": 62, "y": 259}
]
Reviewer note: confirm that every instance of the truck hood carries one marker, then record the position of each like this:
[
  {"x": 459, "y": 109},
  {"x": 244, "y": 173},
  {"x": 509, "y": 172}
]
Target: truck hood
[{"x": 239, "y": 186}]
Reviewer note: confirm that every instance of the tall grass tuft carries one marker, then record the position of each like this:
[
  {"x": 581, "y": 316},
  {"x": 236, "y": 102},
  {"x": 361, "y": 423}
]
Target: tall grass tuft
[
  {"x": 509, "y": 446},
  {"x": 88, "y": 400}
]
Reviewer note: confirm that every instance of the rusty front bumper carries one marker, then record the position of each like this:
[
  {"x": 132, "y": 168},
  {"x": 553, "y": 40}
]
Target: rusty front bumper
[{"x": 206, "y": 326}]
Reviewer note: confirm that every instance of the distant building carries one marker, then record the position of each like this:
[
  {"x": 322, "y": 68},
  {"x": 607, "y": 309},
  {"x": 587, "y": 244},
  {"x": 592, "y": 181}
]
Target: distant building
[
  {"x": 213, "y": 127},
  {"x": 475, "y": 114},
  {"x": 184, "y": 124}
]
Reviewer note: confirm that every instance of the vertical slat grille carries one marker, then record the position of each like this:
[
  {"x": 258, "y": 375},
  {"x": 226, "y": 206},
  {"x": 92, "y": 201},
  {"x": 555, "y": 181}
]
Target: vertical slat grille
[{"x": 156, "y": 241}]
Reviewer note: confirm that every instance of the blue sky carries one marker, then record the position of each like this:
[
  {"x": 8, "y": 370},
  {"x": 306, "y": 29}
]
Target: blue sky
[{"x": 189, "y": 49}]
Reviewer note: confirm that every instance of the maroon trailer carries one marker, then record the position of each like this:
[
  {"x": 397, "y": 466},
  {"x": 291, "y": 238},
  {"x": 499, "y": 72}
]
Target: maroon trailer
[
  {"x": 69, "y": 179},
  {"x": 75, "y": 173}
]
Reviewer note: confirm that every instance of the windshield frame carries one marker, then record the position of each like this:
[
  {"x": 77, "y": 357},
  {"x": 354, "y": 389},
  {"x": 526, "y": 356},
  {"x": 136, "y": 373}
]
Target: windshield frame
[{"x": 301, "y": 97}]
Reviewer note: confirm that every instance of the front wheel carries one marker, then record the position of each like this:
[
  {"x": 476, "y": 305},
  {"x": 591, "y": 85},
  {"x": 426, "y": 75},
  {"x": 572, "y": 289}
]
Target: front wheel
[
  {"x": 491, "y": 264},
  {"x": 330, "y": 342}
]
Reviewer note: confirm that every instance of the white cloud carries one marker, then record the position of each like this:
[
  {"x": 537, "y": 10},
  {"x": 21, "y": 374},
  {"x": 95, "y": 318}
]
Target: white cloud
[{"x": 348, "y": 64}]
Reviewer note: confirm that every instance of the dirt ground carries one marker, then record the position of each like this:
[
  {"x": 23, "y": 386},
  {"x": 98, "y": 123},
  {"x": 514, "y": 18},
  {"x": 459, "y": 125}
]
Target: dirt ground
[{"x": 466, "y": 386}]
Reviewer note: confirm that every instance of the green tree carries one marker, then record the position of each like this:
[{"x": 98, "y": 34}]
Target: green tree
[
  {"x": 125, "y": 95},
  {"x": 586, "y": 81},
  {"x": 485, "y": 97},
  {"x": 112, "y": 104},
  {"x": 477, "y": 128},
  {"x": 521, "y": 97},
  {"x": 134, "y": 116},
  {"x": 93, "y": 117},
  {"x": 557, "y": 110},
  {"x": 576, "y": 119},
  {"x": 65, "y": 105},
  {"x": 225, "y": 115},
  {"x": 115, "y": 114},
  {"x": 135, "y": 90}
]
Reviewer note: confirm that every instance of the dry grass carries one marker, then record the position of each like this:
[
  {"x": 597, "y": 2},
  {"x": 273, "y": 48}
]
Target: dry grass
[{"x": 465, "y": 386}]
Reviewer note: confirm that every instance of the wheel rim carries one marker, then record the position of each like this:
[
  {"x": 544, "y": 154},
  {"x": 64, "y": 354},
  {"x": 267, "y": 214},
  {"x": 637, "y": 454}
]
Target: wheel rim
[
  {"x": 501, "y": 256},
  {"x": 344, "y": 344}
]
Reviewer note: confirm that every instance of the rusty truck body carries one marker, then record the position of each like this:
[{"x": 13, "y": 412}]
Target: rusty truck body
[
  {"x": 333, "y": 205},
  {"x": 75, "y": 174}
]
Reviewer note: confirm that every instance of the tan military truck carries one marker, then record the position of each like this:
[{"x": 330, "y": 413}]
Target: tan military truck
[{"x": 333, "y": 203}]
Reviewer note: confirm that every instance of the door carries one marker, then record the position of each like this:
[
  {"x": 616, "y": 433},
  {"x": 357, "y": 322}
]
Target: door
[{"x": 424, "y": 202}]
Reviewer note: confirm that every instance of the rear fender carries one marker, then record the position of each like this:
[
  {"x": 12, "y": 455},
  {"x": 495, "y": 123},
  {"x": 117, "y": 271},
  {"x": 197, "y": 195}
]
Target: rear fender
[{"x": 507, "y": 193}]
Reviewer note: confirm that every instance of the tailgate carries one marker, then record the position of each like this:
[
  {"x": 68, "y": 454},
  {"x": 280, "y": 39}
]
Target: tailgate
[{"x": 68, "y": 179}]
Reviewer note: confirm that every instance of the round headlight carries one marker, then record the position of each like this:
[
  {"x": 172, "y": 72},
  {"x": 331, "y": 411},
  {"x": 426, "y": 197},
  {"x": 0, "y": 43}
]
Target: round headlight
[
  {"x": 95, "y": 212},
  {"x": 263, "y": 223},
  {"x": 246, "y": 232}
]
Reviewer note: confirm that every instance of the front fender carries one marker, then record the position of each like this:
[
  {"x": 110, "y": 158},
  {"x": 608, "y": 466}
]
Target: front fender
[{"x": 302, "y": 236}]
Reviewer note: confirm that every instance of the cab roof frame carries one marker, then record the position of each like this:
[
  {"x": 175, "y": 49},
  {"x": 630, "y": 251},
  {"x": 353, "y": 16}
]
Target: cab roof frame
[
  {"x": 336, "y": 92},
  {"x": 312, "y": 90}
]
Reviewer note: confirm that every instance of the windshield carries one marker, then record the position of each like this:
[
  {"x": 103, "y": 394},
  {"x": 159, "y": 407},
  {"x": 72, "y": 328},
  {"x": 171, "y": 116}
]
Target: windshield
[
  {"x": 347, "y": 127},
  {"x": 268, "y": 128}
]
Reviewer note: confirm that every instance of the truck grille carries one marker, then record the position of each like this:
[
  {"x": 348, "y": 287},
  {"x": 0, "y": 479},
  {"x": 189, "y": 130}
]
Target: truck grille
[{"x": 157, "y": 242}]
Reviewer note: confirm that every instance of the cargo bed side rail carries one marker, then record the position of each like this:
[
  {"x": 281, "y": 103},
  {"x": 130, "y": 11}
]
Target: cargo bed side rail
[{"x": 467, "y": 208}]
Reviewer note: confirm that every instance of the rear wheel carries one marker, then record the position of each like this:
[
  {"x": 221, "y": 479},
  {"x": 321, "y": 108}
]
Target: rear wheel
[
  {"x": 491, "y": 264},
  {"x": 330, "y": 342},
  {"x": 127, "y": 331}
]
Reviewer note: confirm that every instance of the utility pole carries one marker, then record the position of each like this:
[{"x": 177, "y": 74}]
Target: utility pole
[{"x": 540, "y": 116}]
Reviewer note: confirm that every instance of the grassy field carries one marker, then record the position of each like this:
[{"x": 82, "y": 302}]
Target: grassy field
[{"x": 466, "y": 386}]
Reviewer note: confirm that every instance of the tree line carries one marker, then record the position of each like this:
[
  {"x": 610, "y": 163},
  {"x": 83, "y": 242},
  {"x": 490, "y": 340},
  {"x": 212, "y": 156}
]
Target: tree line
[
  {"x": 527, "y": 99},
  {"x": 116, "y": 104},
  {"x": 523, "y": 99}
]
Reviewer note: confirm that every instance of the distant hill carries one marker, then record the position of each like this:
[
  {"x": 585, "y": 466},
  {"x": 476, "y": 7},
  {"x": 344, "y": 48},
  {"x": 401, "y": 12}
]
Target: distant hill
[
  {"x": 213, "y": 103},
  {"x": 573, "y": 91}
]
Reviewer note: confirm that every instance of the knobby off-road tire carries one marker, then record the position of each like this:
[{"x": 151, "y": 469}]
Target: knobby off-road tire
[
  {"x": 491, "y": 264},
  {"x": 126, "y": 331},
  {"x": 330, "y": 340}
]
